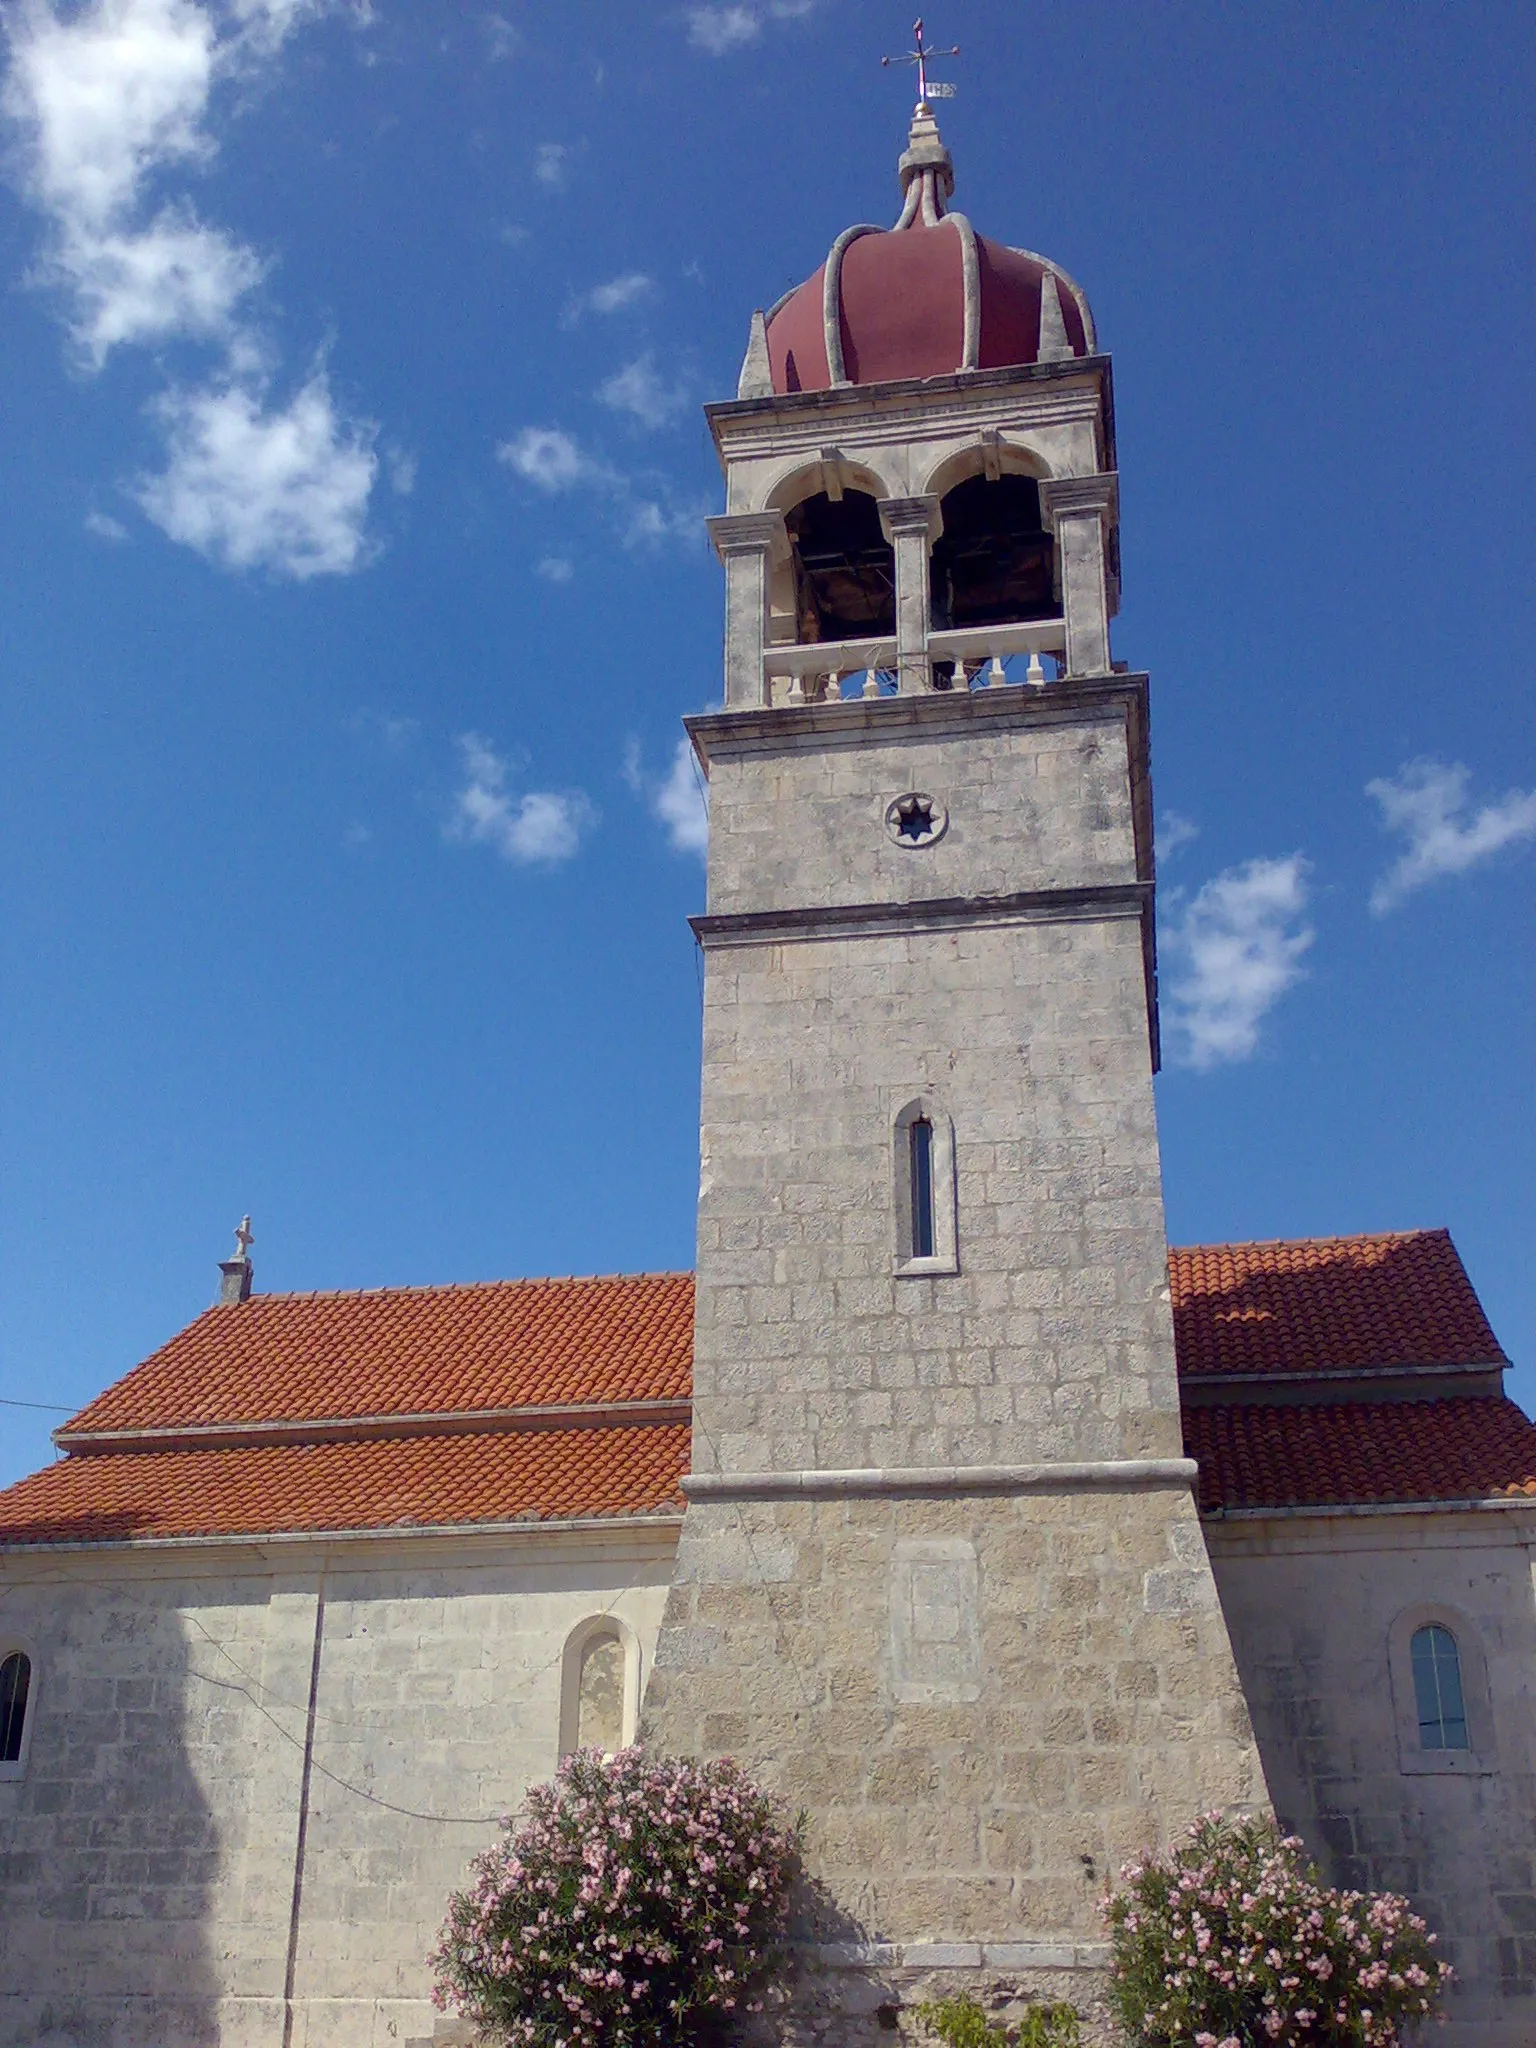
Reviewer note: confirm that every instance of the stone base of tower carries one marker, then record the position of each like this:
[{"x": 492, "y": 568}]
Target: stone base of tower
[{"x": 984, "y": 1702}]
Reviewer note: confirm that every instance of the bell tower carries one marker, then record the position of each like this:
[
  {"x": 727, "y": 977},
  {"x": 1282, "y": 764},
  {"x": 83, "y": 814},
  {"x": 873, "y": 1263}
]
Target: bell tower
[{"x": 941, "y": 1582}]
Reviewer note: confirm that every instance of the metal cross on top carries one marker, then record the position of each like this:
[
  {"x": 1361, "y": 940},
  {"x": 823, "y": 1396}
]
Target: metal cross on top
[{"x": 920, "y": 57}]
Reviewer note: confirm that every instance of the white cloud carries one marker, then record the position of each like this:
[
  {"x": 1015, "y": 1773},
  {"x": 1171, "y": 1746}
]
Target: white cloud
[
  {"x": 643, "y": 508},
  {"x": 616, "y": 296},
  {"x": 105, "y": 527},
  {"x": 541, "y": 828},
  {"x": 548, "y": 458},
  {"x": 174, "y": 277},
  {"x": 682, "y": 802},
  {"x": 551, "y": 164},
  {"x": 1236, "y": 947},
  {"x": 555, "y": 568},
  {"x": 1174, "y": 831},
  {"x": 718, "y": 29},
  {"x": 619, "y": 292},
  {"x": 253, "y": 486},
  {"x": 638, "y": 391},
  {"x": 1426, "y": 804},
  {"x": 107, "y": 98},
  {"x": 650, "y": 523},
  {"x": 392, "y": 731},
  {"x": 722, "y": 28},
  {"x": 680, "y": 798},
  {"x": 500, "y": 36}
]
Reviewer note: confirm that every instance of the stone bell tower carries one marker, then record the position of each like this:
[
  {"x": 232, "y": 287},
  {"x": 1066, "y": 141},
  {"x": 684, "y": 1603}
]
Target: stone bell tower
[{"x": 941, "y": 1582}]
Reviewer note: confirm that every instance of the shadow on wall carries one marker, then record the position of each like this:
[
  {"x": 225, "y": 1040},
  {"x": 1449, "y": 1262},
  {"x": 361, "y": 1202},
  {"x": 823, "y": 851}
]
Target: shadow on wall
[{"x": 108, "y": 1849}]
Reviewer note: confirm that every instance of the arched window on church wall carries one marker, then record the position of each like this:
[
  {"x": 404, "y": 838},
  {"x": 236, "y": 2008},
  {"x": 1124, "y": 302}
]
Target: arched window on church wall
[
  {"x": 1441, "y": 1698},
  {"x": 1437, "y": 1689},
  {"x": 600, "y": 1687},
  {"x": 17, "y": 1697}
]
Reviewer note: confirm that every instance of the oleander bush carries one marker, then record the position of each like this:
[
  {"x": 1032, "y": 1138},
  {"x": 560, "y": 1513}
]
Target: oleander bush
[
  {"x": 1232, "y": 1941},
  {"x": 632, "y": 1898}
]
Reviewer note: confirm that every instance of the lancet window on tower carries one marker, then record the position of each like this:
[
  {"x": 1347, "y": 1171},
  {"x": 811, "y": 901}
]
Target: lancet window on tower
[
  {"x": 920, "y": 1140},
  {"x": 844, "y": 567}
]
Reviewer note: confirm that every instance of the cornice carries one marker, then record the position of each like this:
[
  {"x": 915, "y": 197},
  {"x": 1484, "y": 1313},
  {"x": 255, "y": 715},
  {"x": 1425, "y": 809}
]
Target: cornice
[{"x": 942, "y": 913}]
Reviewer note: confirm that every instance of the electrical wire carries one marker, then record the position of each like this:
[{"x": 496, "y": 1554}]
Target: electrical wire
[{"x": 355, "y": 1720}]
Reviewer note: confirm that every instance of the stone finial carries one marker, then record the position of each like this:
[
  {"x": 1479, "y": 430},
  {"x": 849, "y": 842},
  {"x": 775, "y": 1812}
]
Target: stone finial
[
  {"x": 756, "y": 379},
  {"x": 235, "y": 1285}
]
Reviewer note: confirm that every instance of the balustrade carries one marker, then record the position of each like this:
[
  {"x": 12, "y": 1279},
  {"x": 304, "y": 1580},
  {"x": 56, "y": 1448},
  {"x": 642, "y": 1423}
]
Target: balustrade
[{"x": 972, "y": 657}]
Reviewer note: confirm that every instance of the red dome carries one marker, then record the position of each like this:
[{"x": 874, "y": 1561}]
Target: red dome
[{"x": 926, "y": 299}]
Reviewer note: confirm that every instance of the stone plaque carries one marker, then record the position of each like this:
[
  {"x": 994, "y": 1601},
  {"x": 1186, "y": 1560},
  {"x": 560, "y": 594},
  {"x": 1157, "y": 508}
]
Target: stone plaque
[{"x": 935, "y": 1642}]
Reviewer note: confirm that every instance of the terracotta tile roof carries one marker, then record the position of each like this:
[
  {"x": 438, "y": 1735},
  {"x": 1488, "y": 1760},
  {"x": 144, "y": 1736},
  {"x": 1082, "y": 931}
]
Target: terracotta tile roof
[
  {"x": 511, "y": 1475},
  {"x": 317, "y": 1362},
  {"x": 413, "y": 1350},
  {"x": 1327, "y": 1304},
  {"x": 1360, "y": 1451}
]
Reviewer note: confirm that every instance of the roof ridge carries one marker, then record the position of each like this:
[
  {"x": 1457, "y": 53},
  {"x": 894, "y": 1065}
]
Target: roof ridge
[
  {"x": 453, "y": 1287},
  {"x": 1262, "y": 1244}
]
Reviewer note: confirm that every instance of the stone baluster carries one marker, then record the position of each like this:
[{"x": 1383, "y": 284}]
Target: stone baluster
[
  {"x": 1082, "y": 511},
  {"x": 748, "y": 544},
  {"x": 912, "y": 525}
]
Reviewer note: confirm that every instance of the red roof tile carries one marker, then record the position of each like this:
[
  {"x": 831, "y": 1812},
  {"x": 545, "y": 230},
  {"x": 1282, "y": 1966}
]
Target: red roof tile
[
  {"x": 393, "y": 1482},
  {"x": 1327, "y": 1304},
  {"x": 413, "y": 1350},
  {"x": 1359, "y": 1451}
]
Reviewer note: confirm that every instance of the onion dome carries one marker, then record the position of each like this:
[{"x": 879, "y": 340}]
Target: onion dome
[{"x": 926, "y": 298}]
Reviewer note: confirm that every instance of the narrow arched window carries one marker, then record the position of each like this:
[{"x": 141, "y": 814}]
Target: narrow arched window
[
  {"x": 1437, "y": 1689},
  {"x": 920, "y": 1142},
  {"x": 15, "y": 1685},
  {"x": 600, "y": 1695},
  {"x": 923, "y": 1184}
]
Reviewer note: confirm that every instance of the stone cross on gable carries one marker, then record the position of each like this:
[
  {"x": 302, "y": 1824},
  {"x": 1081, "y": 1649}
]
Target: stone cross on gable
[{"x": 244, "y": 1238}]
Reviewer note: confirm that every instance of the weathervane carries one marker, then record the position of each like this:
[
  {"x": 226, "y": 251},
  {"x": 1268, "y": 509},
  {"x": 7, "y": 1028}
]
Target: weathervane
[{"x": 920, "y": 57}]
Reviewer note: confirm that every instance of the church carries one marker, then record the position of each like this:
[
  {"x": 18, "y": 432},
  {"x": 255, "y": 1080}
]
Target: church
[{"x": 993, "y": 1533}]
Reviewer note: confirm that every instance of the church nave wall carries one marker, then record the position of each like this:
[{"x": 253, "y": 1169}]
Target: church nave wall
[
  {"x": 1318, "y": 1608},
  {"x": 147, "y": 1878}
]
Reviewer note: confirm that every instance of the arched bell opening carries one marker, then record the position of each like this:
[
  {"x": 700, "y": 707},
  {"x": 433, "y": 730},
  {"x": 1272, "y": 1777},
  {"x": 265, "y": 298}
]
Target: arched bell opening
[
  {"x": 844, "y": 568},
  {"x": 994, "y": 563}
]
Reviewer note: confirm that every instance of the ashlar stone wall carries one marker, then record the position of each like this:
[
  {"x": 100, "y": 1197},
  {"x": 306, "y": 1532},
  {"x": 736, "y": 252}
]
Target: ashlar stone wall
[
  {"x": 148, "y": 1855},
  {"x": 941, "y": 1580},
  {"x": 1320, "y": 1608}
]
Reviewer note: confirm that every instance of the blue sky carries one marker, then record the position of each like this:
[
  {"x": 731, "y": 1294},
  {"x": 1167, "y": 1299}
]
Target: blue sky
[{"x": 355, "y": 585}]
